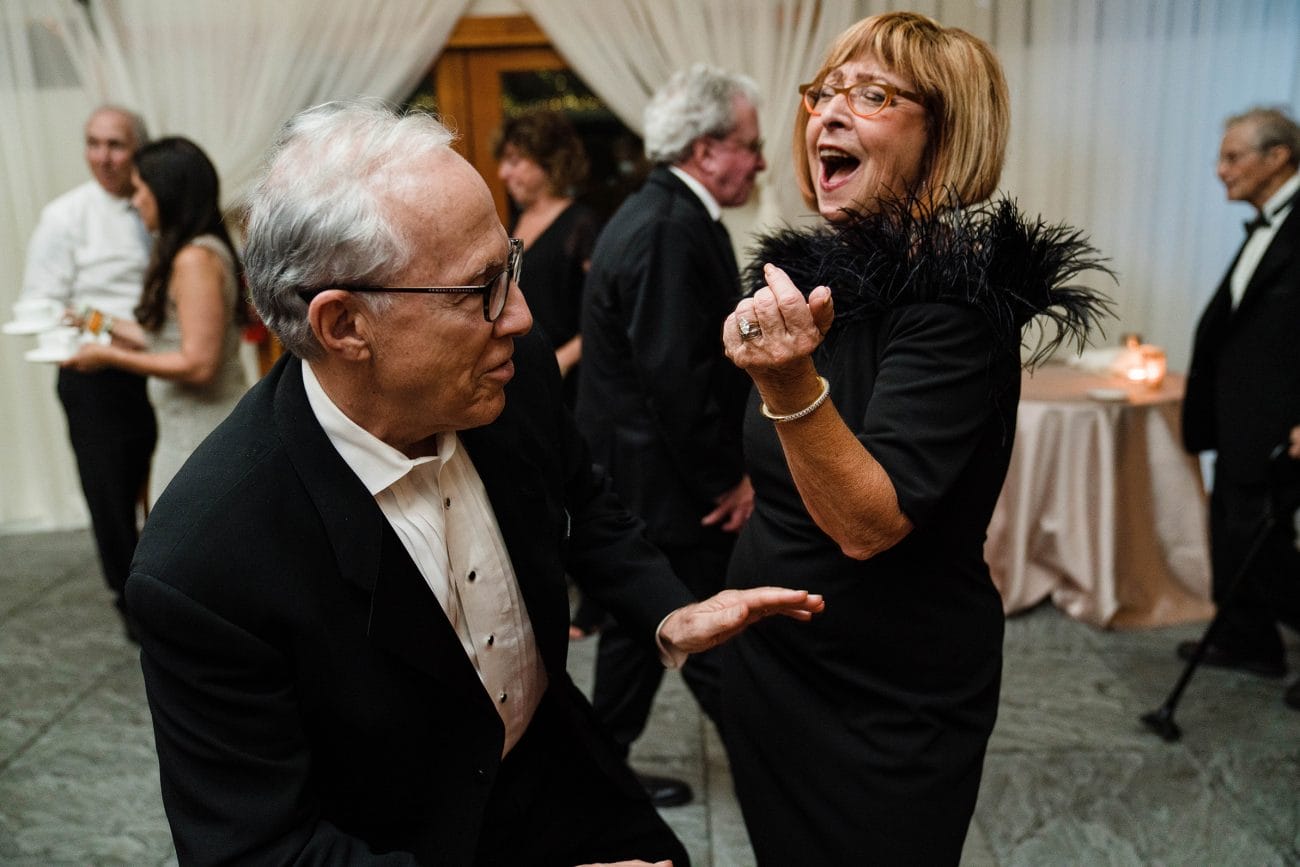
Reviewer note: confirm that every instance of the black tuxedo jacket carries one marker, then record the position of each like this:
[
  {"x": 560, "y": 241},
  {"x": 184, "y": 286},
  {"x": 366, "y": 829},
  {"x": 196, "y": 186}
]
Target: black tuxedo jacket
[
  {"x": 311, "y": 701},
  {"x": 660, "y": 403},
  {"x": 1243, "y": 387}
]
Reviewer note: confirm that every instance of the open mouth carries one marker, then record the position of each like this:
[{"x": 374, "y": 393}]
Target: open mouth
[{"x": 837, "y": 167}]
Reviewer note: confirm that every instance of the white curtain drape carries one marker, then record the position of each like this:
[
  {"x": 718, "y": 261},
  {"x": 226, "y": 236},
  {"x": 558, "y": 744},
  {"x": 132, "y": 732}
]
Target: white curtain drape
[
  {"x": 229, "y": 74},
  {"x": 44, "y": 106},
  {"x": 1117, "y": 112},
  {"x": 625, "y": 49},
  {"x": 224, "y": 74}
]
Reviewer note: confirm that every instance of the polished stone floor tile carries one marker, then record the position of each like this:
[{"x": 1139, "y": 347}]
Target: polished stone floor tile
[
  {"x": 1116, "y": 807},
  {"x": 51, "y": 650},
  {"x": 31, "y": 563},
  {"x": 86, "y": 791},
  {"x": 1054, "y": 699}
]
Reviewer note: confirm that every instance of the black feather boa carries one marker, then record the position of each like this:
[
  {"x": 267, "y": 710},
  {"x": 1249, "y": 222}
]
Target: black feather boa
[{"x": 987, "y": 256}]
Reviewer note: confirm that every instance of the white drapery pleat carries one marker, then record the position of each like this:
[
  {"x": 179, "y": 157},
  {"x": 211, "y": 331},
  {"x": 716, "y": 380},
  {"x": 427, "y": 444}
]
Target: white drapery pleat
[
  {"x": 229, "y": 74},
  {"x": 625, "y": 49},
  {"x": 1117, "y": 113},
  {"x": 225, "y": 74},
  {"x": 44, "y": 106}
]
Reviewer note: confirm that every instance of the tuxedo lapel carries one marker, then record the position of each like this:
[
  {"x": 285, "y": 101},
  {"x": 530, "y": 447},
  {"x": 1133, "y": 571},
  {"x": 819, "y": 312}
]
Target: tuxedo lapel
[
  {"x": 1283, "y": 249},
  {"x": 724, "y": 251},
  {"x": 404, "y": 618}
]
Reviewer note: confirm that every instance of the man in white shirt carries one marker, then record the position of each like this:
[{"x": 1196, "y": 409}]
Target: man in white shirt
[
  {"x": 352, "y": 601},
  {"x": 1243, "y": 398},
  {"x": 90, "y": 250}
]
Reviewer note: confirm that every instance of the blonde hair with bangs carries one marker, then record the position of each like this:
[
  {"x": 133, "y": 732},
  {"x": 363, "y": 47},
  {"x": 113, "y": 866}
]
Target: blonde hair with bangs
[{"x": 967, "y": 106}]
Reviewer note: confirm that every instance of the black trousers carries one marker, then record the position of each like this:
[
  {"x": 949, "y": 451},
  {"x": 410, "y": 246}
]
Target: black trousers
[
  {"x": 554, "y": 804},
  {"x": 628, "y": 671},
  {"x": 112, "y": 429},
  {"x": 1271, "y": 590}
]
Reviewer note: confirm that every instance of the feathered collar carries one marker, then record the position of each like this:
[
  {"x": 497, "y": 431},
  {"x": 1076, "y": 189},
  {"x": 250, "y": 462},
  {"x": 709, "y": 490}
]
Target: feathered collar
[{"x": 987, "y": 256}]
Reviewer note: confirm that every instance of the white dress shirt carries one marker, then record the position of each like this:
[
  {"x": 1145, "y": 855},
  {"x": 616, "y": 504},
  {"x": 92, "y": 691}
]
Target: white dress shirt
[
  {"x": 441, "y": 513},
  {"x": 89, "y": 247},
  {"x": 1259, "y": 240}
]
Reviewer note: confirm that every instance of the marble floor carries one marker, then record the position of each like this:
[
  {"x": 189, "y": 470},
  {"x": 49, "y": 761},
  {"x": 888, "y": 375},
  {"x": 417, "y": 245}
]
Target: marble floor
[{"x": 1071, "y": 777}]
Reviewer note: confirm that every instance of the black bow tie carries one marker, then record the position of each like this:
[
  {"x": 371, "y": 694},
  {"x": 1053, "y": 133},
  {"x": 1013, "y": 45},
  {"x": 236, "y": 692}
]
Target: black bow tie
[
  {"x": 1260, "y": 222},
  {"x": 1263, "y": 222}
]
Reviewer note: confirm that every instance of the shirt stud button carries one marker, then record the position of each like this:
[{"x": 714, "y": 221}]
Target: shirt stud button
[
  {"x": 471, "y": 576},
  {"x": 491, "y": 640},
  {"x": 503, "y": 697},
  {"x": 446, "y": 504}
]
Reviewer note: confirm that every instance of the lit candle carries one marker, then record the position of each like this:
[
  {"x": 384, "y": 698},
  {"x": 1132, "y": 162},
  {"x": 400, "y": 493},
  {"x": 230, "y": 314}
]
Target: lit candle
[{"x": 1153, "y": 365}]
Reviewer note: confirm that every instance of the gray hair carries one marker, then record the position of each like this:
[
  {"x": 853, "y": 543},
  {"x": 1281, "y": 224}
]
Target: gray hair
[
  {"x": 1273, "y": 126},
  {"x": 138, "y": 129},
  {"x": 695, "y": 102},
  {"x": 321, "y": 213}
]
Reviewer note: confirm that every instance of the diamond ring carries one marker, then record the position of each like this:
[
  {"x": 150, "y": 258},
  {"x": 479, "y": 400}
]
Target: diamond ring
[{"x": 748, "y": 330}]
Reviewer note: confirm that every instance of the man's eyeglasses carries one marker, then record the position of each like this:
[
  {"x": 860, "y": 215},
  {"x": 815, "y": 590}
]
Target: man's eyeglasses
[
  {"x": 865, "y": 99},
  {"x": 495, "y": 291}
]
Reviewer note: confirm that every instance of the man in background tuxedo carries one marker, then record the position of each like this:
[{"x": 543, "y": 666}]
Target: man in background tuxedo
[
  {"x": 1243, "y": 394},
  {"x": 659, "y": 401},
  {"x": 351, "y": 601},
  {"x": 90, "y": 250}
]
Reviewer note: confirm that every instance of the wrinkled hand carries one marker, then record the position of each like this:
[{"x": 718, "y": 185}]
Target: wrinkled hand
[
  {"x": 734, "y": 507},
  {"x": 89, "y": 358},
  {"x": 792, "y": 327},
  {"x": 1294, "y": 450},
  {"x": 704, "y": 625}
]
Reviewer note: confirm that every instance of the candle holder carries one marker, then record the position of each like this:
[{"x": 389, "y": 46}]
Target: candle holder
[
  {"x": 1144, "y": 365},
  {"x": 1154, "y": 365}
]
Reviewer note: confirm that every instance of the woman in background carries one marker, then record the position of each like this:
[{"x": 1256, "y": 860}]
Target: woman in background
[
  {"x": 542, "y": 162},
  {"x": 187, "y": 339},
  {"x": 877, "y": 439}
]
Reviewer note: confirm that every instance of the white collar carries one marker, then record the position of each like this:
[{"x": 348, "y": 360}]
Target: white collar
[
  {"x": 1274, "y": 205},
  {"x": 702, "y": 192},
  {"x": 375, "y": 462}
]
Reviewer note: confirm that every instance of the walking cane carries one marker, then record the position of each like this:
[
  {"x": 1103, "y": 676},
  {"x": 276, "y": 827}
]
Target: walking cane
[{"x": 1161, "y": 720}]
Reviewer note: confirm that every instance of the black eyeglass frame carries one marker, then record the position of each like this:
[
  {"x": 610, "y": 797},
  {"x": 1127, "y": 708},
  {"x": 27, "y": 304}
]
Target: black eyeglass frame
[
  {"x": 890, "y": 90},
  {"x": 513, "y": 271}
]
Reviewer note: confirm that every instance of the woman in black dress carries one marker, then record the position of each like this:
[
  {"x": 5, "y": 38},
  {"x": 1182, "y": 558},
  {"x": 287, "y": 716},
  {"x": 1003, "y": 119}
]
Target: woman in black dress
[
  {"x": 541, "y": 161},
  {"x": 877, "y": 441}
]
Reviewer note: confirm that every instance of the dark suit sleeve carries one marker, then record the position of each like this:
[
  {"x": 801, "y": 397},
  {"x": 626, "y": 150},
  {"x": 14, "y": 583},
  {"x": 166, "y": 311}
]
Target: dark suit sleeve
[
  {"x": 673, "y": 280},
  {"x": 604, "y": 548},
  {"x": 234, "y": 762}
]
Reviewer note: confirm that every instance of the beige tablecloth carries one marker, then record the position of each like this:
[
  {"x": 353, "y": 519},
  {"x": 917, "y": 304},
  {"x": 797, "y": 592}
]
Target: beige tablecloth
[{"x": 1102, "y": 511}]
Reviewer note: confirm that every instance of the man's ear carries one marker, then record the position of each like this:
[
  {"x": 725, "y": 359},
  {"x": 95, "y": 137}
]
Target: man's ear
[
  {"x": 702, "y": 152},
  {"x": 1279, "y": 156},
  {"x": 341, "y": 324}
]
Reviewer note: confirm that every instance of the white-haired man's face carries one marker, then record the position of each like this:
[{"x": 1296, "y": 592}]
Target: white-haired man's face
[
  {"x": 731, "y": 164},
  {"x": 1248, "y": 173},
  {"x": 435, "y": 363}
]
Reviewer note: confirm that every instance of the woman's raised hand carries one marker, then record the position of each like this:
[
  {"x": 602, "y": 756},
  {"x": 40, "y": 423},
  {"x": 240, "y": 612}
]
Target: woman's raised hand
[{"x": 773, "y": 332}]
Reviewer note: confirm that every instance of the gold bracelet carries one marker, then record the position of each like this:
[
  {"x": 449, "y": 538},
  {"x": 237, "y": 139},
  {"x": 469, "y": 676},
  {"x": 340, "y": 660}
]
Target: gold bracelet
[{"x": 807, "y": 410}]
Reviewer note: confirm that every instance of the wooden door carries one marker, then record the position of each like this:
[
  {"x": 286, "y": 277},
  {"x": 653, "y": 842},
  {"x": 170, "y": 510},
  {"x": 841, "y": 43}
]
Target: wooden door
[{"x": 494, "y": 67}]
